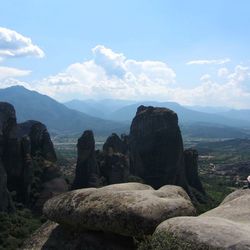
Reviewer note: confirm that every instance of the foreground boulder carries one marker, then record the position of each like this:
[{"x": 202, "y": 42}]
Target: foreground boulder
[
  {"x": 128, "y": 209},
  {"x": 225, "y": 227}
]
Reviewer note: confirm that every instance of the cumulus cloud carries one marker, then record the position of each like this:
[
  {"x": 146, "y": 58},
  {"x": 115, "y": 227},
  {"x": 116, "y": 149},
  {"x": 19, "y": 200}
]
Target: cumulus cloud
[
  {"x": 7, "y": 72},
  {"x": 110, "y": 75},
  {"x": 205, "y": 62},
  {"x": 233, "y": 92},
  {"x": 13, "y": 44}
]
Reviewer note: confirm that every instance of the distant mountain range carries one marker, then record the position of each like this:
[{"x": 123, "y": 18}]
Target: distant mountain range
[
  {"x": 30, "y": 105},
  {"x": 107, "y": 116},
  {"x": 122, "y": 111}
]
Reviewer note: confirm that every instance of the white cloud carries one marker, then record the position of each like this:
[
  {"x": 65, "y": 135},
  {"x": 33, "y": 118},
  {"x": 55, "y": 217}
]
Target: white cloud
[
  {"x": 110, "y": 75},
  {"x": 205, "y": 62},
  {"x": 223, "y": 72},
  {"x": 13, "y": 44},
  {"x": 205, "y": 78},
  {"x": 7, "y": 72},
  {"x": 234, "y": 92},
  {"x": 8, "y": 82}
]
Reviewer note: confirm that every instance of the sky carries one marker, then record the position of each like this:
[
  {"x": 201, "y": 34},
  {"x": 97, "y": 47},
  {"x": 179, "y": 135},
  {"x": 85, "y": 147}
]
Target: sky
[{"x": 192, "y": 52}]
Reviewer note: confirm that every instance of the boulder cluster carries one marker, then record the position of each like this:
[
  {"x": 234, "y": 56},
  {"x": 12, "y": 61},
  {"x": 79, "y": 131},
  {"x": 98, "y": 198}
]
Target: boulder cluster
[
  {"x": 110, "y": 217},
  {"x": 152, "y": 153},
  {"x": 224, "y": 227},
  {"x": 27, "y": 157}
]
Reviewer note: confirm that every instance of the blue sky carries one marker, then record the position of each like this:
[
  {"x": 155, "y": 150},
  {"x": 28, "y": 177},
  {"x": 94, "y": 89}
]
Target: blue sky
[{"x": 193, "y": 52}]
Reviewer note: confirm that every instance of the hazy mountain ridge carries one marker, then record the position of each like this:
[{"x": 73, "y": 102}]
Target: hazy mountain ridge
[
  {"x": 123, "y": 112},
  {"x": 31, "y": 105},
  {"x": 107, "y": 116}
]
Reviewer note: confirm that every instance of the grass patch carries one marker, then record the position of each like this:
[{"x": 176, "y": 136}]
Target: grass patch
[{"x": 16, "y": 227}]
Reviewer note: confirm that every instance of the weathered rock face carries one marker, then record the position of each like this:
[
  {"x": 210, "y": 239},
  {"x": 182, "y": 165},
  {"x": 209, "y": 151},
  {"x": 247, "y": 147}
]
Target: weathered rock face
[
  {"x": 39, "y": 139},
  {"x": 191, "y": 166},
  {"x": 20, "y": 144},
  {"x": 115, "y": 168},
  {"x": 49, "y": 189},
  {"x": 8, "y": 148},
  {"x": 54, "y": 236},
  {"x": 115, "y": 144},
  {"x": 87, "y": 171},
  {"x": 225, "y": 227},
  {"x": 156, "y": 147},
  {"x": 128, "y": 209},
  {"x": 6, "y": 204}
]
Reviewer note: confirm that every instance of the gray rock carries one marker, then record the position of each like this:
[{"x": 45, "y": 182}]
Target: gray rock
[
  {"x": 156, "y": 147},
  {"x": 129, "y": 209},
  {"x": 6, "y": 204},
  {"x": 87, "y": 170},
  {"x": 225, "y": 227},
  {"x": 53, "y": 236}
]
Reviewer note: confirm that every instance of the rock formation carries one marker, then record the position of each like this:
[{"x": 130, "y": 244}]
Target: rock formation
[
  {"x": 115, "y": 144},
  {"x": 153, "y": 152},
  {"x": 20, "y": 147},
  {"x": 6, "y": 204},
  {"x": 87, "y": 172},
  {"x": 107, "y": 218},
  {"x": 156, "y": 147},
  {"x": 115, "y": 168},
  {"x": 191, "y": 167},
  {"x": 224, "y": 227},
  {"x": 39, "y": 139}
]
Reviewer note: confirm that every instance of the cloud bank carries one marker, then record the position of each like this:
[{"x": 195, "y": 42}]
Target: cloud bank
[{"x": 110, "y": 74}]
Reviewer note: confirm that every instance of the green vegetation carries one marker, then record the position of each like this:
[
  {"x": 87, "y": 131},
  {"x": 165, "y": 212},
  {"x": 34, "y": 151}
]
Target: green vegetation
[
  {"x": 217, "y": 188},
  {"x": 15, "y": 227},
  {"x": 167, "y": 241}
]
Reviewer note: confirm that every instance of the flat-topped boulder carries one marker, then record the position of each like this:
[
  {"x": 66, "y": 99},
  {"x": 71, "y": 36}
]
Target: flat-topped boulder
[
  {"x": 128, "y": 209},
  {"x": 225, "y": 227}
]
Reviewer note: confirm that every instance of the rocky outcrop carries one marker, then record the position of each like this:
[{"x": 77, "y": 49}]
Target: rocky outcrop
[
  {"x": 225, "y": 227},
  {"x": 87, "y": 171},
  {"x": 39, "y": 139},
  {"x": 128, "y": 209},
  {"x": 156, "y": 147},
  {"x": 115, "y": 144},
  {"x": 25, "y": 152},
  {"x": 191, "y": 169},
  {"x": 6, "y": 204},
  {"x": 115, "y": 168}
]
